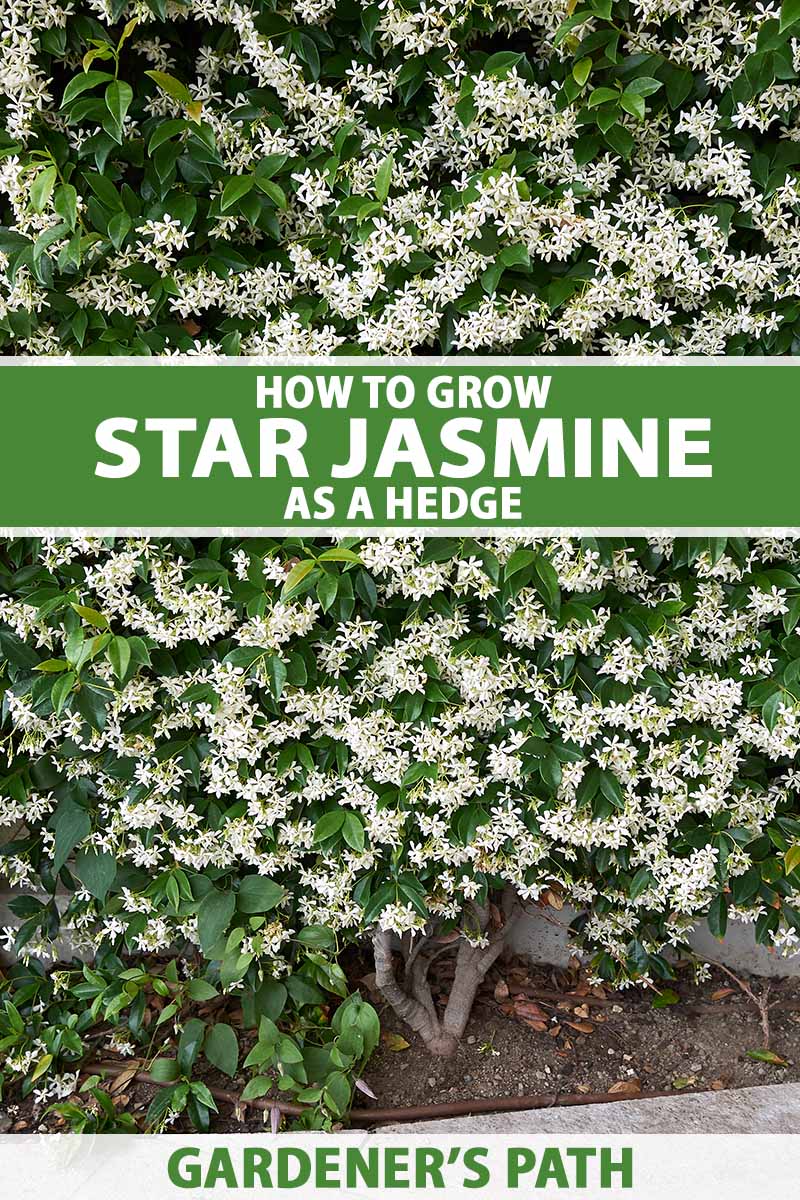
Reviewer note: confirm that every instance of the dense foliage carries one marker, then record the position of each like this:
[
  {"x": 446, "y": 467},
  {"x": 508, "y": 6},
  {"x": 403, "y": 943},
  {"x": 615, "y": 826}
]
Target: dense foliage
[
  {"x": 258, "y": 751},
  {"x": 272, "y": 177}
]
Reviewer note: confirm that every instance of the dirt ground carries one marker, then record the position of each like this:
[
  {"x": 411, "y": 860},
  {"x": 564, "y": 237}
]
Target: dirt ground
[
  {"x": 542, "y": 1044},
  {"x": 543, "y": 1032}
]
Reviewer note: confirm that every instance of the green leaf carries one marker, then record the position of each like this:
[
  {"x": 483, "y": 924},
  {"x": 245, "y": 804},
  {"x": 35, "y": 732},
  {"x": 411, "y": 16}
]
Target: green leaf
[
  {"x": 620, "y": 140},
  {"x": 269, "y": 999},
  {"x": 383, "y": 178},
  {"x": 96, "y": 870},
  {"x": 71, "y": 826},
  {"x": 353, "y": 832},
  {"x": 102, "y": 53},
  {"x": 201, "y": 989},
  {"x": 119, "y": 226},
  {"x": 119, "y": 97},
  {"x": 65, "y": 203},
  {"x": 327, "y": 587},
  {"x": 466, "y": 110},
  {"x": 43, "y": 1065},
  {"x": 42, "y": 188},
  {"x": 768, "y": 1056},
  {"x": 519, "y": 560},
  {"x": 222, "y": 1048},
  {"x": 603, "y": 95},
  {"x": 641, "y": 881},
  {"x": 665, "y": 998},
  {"x": 84, "y": 83},
  {"x": 610, "y": 787},
  {"x": 166, "y": 1101},
  {"x": 340, "y": 554},
  {"x": 276, "y": 673},
  {"x": 92, "y": 704},
  {"x": 258, "y": 894},
  {"x": 171, "y": 86},
  {"x": 288, "y": 1051},
  {"x": 791, "y": 859},
  {"x": 61, "y": 690},
  {"x": 515, "y": 255},
  {"x": 302, "y": 991},
  {"x": 718, "y": 916},
  {"x": 418, "y": 771},
  {"x": 191, "y": 1039},
  {"x": 119, "y": 655},
  {"x": 771, "y": 710},
  {"x": 214, "y": 917},
  {"x": 317, "y": 937},
  {"x": 299, "y": 572},
  {"x": 259, "y": 1085},
  {"x": 164, "y": 1070},
  {"x": 501, "y": 64},
  {"x": 91, "y": 616},
  {"x": 547, "y": 581},
  {"x": 328, "y": 825},
  {"x": 643, "y": 85},
  {"x": 127, "y": 31},
  {"x": 275, "y": 192},
  {"x": 337, "y": 1093},
  {"x": 235, "y": 190},
  {"x": 581, "y": 71},
  {"x": 633, "y": 104},
  {"x": 790, "y": 12},
  {"x": 572, "y": 22}
]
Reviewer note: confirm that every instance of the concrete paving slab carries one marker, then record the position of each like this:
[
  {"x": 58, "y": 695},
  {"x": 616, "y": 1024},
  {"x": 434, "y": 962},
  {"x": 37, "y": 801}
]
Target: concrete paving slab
[{"x": 772, "y": 1109}]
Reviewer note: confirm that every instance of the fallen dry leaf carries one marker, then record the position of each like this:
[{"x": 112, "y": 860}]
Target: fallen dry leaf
[
  {"x": 625, "y": 1087},
  {"x": 501, "y": 990},
  {"x": 525, "y": 1009},
  {"x": 580, "y": 1026},
  {"x": 394, "y": 1042},
  {"x": 583, "y": 1088},
  {"x": 721, "y": 993},
  {"x": 124, "y": 1078},
  {"x": 538, "y": 1026},
  {"x": 717, "y": 1085},
  {"x": 582, "y": 1010}
]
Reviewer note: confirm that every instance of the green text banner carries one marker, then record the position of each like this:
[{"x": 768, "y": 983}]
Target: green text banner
[{"x": 364, "y": 444}]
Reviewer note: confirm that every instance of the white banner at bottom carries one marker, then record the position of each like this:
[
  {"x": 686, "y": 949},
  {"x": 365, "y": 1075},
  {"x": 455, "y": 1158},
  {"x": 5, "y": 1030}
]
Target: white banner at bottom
[{"x": 360, "y": 1166}]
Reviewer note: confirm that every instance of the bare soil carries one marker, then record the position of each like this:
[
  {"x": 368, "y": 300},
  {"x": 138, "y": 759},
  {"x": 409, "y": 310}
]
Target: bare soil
[
  {"x": 545, "y": 1032},
  {"x": 596, "y": 1040}
]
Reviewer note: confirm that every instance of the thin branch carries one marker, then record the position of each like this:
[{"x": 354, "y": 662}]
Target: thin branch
[{"x": 761, "y": 1002}]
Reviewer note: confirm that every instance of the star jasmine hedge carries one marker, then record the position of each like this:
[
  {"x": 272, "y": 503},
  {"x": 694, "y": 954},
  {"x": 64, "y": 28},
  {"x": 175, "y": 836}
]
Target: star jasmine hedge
[
  {"x": 257, "y": 176},
  {"x": 261, "y": 752}
]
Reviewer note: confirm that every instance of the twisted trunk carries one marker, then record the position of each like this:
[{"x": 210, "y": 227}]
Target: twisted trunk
[{"x": 412, "y": 999}]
